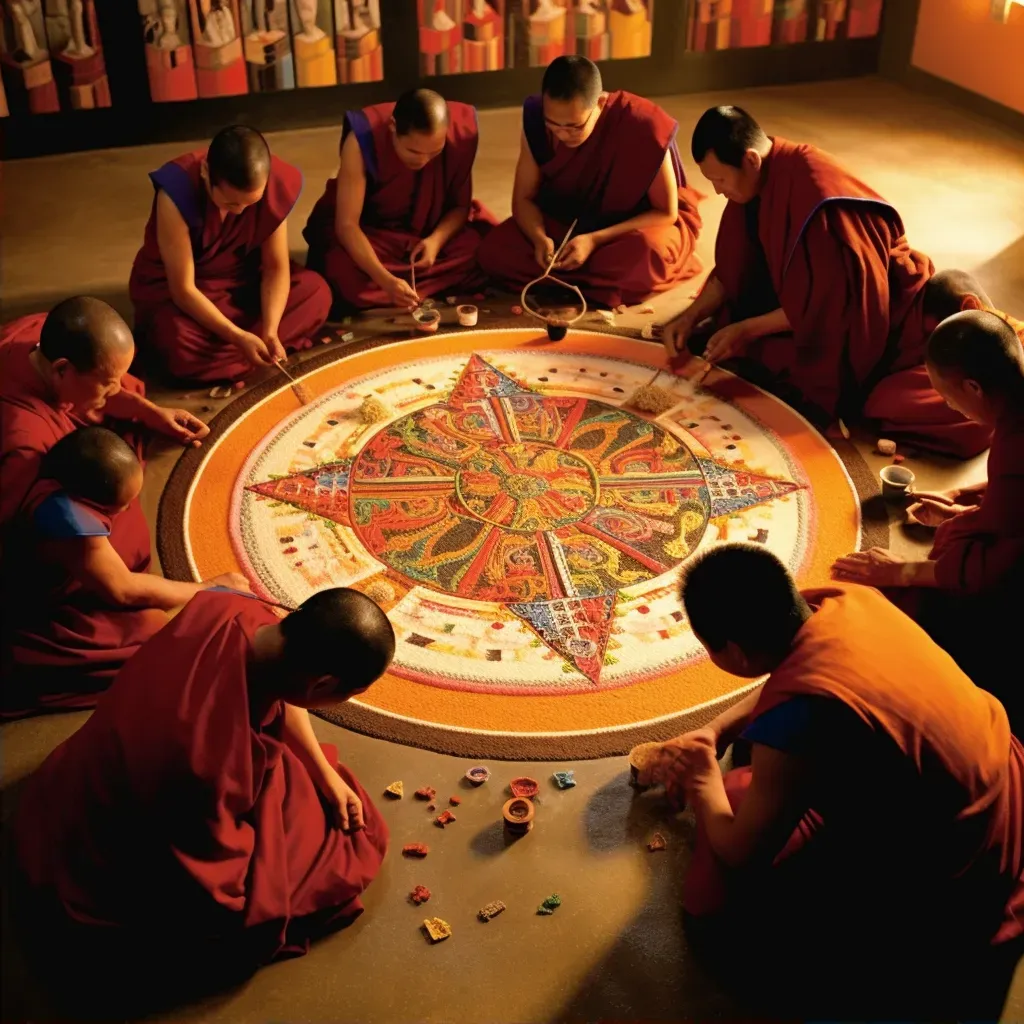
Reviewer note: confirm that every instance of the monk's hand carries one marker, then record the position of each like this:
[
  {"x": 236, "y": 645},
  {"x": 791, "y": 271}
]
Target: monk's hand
[
  {"x": 683, "y": 763},
  {"x": 675, "y": 336},
  {"x": 229, "y": 581},
  {"x": 543, "y": 250},
  {"x": 727, "y": 343},
  {"x": 178, "y": 423},
  {"x": 400, "y": 293},
  {"x": 875, "y": 567},
  {"x": 576, "y": 253},
  {"x": 424, "y": 255},
  {"x": 929, "y": 512},
  {"x": 274, "y": 347},
  {"x": 254, "y": 348},
  {"x": 344, "y": 802}
]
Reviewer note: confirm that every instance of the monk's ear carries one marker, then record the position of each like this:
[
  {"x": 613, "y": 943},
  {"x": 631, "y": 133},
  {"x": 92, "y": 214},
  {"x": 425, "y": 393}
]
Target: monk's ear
[
  {"x": 752, "y": 160},
  {"x": 204, "y": 170},
  {"x": 970, "y": 301},
  {"x": 602, "y": 100},
  {"x": 60, "y": 366}
]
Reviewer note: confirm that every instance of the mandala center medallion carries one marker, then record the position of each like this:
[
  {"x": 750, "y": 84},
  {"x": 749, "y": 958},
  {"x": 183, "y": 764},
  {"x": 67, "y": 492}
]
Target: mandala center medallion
[{"x": 526, "y": 486}]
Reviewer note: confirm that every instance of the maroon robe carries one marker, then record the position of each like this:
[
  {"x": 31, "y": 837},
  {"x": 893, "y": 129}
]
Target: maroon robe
[
  {"x": 833, "y": 254},
  {"x": 30, "y": 425},
  {"x": 227, "y": 272},
  {"x": 403, "y": 206},
  {"x": 61, "y": 644},
  {"x": 179, "y": 821},
  {"x": 601, "y": 183}
]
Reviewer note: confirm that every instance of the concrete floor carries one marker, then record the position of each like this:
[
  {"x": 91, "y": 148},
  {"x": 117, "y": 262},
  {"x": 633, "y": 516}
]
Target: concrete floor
[{"x": 615, "y": 950}]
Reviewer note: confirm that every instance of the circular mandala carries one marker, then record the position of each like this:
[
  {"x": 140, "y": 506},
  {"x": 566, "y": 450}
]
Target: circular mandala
[{"x": 523, "y": 528}]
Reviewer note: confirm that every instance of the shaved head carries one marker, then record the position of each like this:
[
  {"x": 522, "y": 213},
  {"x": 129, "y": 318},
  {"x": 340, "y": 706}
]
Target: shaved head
[
  {"x": 573, "y": 77},
  {"x": 87, "y": 332},
  {"x": 239, "y": 157},
  {"x": 945, "y": 292},
  {"x": 728, "y": 132},
  {"x": 978, "y": 345},
  {"x": 93, "y": 464},
  {"x": 421, "y": 110}
]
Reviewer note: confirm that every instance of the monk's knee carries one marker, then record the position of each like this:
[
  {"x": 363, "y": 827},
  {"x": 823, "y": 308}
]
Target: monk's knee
[
  {"x": 500, "y": 248},
  {"x": 310, "y": 290}
]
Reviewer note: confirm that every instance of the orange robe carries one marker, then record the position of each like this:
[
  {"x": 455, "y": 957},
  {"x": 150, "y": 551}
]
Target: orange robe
[
  {"x": 30, "y": 425},
  {"x": 226, "y": 252},
  {"x": 401, "y": 207},
  {"x": 917, "y": 797},
  {"x": 178, "y": 823},
  {"x": 604, "y": 182},
  {"x": 833, "y": 254}
]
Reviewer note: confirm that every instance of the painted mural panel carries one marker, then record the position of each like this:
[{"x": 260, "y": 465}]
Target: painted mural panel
[
  {"x": 357, "y": 41},
  {"x": 731, "y": 24},
  {"x": 28, "y": 77},
  {"x": 267, "y": 45},
  {"x": 168, "y": 42},
  {"x": 217, "y": 47}
]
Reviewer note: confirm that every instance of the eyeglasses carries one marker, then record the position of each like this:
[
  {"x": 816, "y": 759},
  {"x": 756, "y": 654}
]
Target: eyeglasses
[{"x": 571, "y": 129}]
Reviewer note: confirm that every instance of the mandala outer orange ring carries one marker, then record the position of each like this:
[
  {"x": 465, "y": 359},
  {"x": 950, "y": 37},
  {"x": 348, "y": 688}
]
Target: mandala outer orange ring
[{"x": 193, "y": 533}]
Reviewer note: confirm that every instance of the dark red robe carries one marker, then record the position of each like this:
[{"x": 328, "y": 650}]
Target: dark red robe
[
  {"x": 30, "y": 425},
  {"x": 178, "y": 820},
  {"x": 833, "y": 254},
  {"x": 917, "y": 790},
  {"x": 604, "y": 182},
  {"x": 62, "y": 645},
  {"x": 403, "y": 206},
  {"x": 227, "y": 272}
]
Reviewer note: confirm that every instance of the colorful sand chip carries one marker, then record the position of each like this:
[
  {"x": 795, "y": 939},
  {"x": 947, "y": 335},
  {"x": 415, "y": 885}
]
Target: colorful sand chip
[
  {"x": 492, "y": 910},
  {"x": 396, "y": 791},
  {"x": 426, "y": 793},
  {"x": 455, "y": 800},
  {"x": 415, "y": 850},
  {"x": 657, "y": 843},
  {"x": 420, "y": 894},
  {"x": 437, "y": 930},
  {"x": 550, "y": 905},
  {"x": 444, "y": 818},
  {"x": 564, "y": 780}
]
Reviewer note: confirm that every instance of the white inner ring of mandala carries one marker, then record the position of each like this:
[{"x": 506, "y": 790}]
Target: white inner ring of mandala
[{"x": 524, "y": 541}]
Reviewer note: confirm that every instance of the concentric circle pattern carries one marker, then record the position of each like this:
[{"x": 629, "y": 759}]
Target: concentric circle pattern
[{"x": 521, "y": 525}]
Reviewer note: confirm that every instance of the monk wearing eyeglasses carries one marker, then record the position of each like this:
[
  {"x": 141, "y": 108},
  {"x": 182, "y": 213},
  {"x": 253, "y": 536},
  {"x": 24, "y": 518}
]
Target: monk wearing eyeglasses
[{"x": 609, "y": 161}]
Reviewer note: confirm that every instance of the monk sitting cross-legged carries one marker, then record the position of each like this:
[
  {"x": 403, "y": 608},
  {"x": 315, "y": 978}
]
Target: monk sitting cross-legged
[
  {"x": 78, "y": 596},
  {"x": 66, "y": 368},
  {"x": 883, "y": 807},
  {"x": 198, "y": 783},
  {"x": 403, "y": 194},
  {"x": 967, "y": 593},
  {"x": 609, "y": 160},
  {"x": 214, "y": 290},
  {"x": 816, "y": 288}
]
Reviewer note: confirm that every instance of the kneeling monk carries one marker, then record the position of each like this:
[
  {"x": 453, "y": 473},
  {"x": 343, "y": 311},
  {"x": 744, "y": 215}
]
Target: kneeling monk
[
  {"x": 403, "y": 195},
  {"x": 610, "y": 161},
  {"x": 895, "y": 780},
  {"x": 65, "y": 368},
  {"x": 198, "y": 780},
  {"x": 815, "y": 282},
  {"x": 214, "y": 290},
  {"x": 78, "y": 597},
  {"x": 967, "y": 592}
]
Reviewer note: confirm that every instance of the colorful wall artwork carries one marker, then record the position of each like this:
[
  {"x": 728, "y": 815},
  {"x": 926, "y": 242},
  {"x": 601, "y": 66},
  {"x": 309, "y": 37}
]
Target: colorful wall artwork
[
  {"x": 357, "y": 43},
  {"x": 168, "y": 42},
  {"x": 267, "y": 45},
  {"x": 51, "y": 57},
  {"x": 730, "y": 24},
  {"x": 456, "y": 36},
  {"x": 217, "y": 46},
  {"x": 313, "y": 43}
]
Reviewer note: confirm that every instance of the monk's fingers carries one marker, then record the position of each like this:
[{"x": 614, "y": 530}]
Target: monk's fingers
[
  {"x": 355, "y": 813},
  {"x": 341, "y": 815}
]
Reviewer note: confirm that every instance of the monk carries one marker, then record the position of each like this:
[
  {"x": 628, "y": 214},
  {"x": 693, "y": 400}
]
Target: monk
[
  {"x": 403, "y": 196},
  {"x": 194, "y": 824},
  {"x": 816, "y": 286},
  {"x": 66, "y": 368},
  {"x": 896, "y": 780},
  {"x": 78, "y": 596},
  {"x": 966, "y": 593},
  {"x": 214, "y": 290},
  {"x": 610, "y": 162}
]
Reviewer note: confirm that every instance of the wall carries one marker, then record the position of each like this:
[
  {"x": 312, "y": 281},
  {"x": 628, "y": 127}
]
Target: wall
[{"x": 960, "y": 41}]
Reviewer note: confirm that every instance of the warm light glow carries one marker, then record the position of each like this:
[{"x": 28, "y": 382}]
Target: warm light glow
[{"x": 1001, "y": 9}]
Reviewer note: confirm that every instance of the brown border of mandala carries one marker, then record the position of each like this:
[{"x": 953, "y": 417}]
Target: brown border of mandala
[{"x": 501, "y": 746}]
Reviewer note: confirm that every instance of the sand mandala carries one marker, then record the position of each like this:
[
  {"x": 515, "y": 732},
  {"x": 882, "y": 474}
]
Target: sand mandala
[{"x": 521, "y": 525}]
